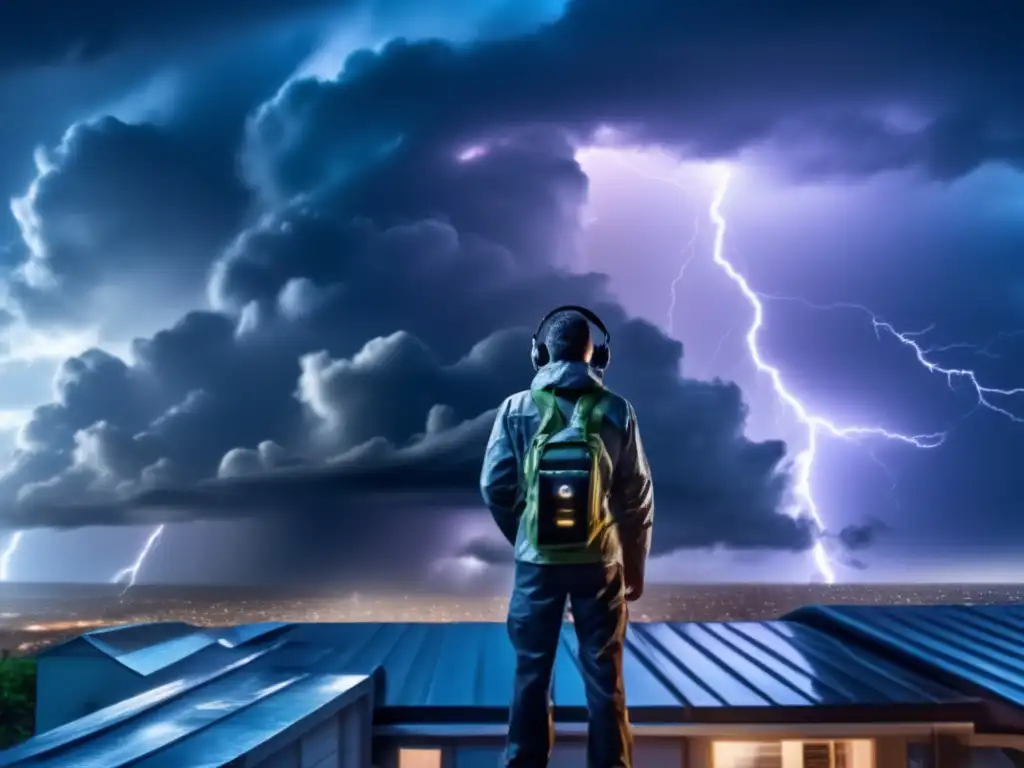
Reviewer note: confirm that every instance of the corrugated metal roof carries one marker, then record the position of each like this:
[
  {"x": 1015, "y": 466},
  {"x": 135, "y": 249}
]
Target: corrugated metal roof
[
  {"x": 736, "y": 672},
  {"x": 128, "y": 638},
  {"x": 233, "y": 637},
  {"x": 149, "y": 648},
  {"x": 739, "y": 665},
  {"x": 256, "y": 724},
  {"x": 249, "y": 701},
  {"x": 438, "y": 665},
  {"x": 981, "y": 645},
  {"x": 147, "y": 660},
  {"x": 771, "y": 663}
]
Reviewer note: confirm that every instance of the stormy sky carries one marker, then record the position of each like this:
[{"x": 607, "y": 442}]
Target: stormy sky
[{"x": 269, "y": 267}]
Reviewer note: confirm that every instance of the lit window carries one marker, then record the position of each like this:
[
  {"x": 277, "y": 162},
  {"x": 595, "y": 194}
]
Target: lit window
[
  {"x": 856, "y": 753},
  {"x": 747, "y": 754},
  {"x": 419, "y": 758}
]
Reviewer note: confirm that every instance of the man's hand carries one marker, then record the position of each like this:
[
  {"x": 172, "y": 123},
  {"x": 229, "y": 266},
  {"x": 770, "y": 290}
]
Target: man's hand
[{"x": 633, "y": 574}]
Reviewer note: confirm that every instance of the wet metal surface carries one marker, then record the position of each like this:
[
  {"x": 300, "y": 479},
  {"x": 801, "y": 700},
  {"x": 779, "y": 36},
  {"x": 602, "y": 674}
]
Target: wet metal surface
[
  {"x": 981, "y": 645},
  {"x": 220, "y": 691},
  {"x": 236, "y": 708}
]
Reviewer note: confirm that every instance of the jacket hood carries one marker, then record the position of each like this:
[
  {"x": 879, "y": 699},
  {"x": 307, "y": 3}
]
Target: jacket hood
[{"x": 566, "y": 375}]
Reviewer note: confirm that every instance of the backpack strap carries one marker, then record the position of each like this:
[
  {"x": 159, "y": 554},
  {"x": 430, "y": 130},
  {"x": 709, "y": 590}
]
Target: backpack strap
[
  {"x": 551, "y": 419},
  {"x": 597, "y": 415},
  {"x": 589, "y": 412},
  {"x": 551, "y": 422}
]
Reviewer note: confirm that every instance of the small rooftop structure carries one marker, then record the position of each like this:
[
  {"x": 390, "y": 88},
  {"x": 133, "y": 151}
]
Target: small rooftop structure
[{"x": 242, "y": 710}]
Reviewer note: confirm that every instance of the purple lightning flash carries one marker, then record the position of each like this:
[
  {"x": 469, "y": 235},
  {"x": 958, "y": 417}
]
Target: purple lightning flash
[
  {"x": 815, "y": 425},
  {"x": 924, "y": 355}
]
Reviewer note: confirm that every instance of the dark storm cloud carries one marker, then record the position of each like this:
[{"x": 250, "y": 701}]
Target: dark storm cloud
[
  {"x": 383, "y": 350},
  {"x": 199, "y": 89},
  {"x": 366, "y": 324},
  {"x": 437, "y": 470},
  {"x": 862, "y": 536},
  {"x": 865, "y": 87},
  {"x": 117, "y": 203},
  {"x": 32, "y": 34},
  {"x": 714, "y": 487},
  {"x": 150, "y": 192}
]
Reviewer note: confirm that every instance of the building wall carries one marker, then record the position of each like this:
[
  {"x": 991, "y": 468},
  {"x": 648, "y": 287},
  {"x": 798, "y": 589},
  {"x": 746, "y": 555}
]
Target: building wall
[
  {"x": 944, "y": 753},
  {"x": 318, "y": 748},
  {"x": 340, "y": 741},
  {"x": 891, "y": 752},
  {"x": 357, "y": 734},
  {"x": 70, "y": 687}
]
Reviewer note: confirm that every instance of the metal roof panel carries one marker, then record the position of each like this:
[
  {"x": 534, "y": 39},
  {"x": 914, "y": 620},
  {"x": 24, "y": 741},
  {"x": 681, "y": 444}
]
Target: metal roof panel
[
  {"x": 250, "y": 727},
  {"x": 467, "y": 670},
  {"x": 709, "y": 665},
  {"x": 977, "y": 645},
  {"x": 79, "y": 734}
]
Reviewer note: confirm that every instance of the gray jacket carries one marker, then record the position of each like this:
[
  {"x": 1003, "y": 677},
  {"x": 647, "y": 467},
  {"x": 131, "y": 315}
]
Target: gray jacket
[{"x": 630, "y": 497}]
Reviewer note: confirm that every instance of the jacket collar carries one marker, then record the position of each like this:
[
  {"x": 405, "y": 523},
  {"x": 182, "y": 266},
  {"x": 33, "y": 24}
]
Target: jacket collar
[{"x": 566, "y": 375}]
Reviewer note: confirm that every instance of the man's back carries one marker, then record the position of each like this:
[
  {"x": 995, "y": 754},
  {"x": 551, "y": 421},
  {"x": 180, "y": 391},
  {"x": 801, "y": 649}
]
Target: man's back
[{"x": 630, "y": 501}]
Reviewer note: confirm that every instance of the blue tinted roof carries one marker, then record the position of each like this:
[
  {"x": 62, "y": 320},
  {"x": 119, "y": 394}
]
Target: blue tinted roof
[
  {"x": 770, "y": 663},
  {"x": 978, "y": 645},
  {"x": 254, "y": 725},
  {"x": 232, "y": 637},
  {"x": 125, "y": 638},
  {"x": 197, "y": 720},
  {"x": 755, "y": 664},
  {"x": 149, "y": 648},
  {"x": 224, "y": 699}
]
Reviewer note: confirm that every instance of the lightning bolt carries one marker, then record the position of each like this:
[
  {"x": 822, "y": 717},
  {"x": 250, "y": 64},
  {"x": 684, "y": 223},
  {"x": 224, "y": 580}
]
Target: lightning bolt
[
  {"x": 984, "y": 350},
  {"x": 924, "y": 355},
  {"x": 982, "y": 392},
  {"x": 690, "y": 247},
  {"x": 674, "y": 285},
  {"x": 815, "y": 425},
  {"x": 131, "y": 573},
  {"x": 8, "y": 554}
]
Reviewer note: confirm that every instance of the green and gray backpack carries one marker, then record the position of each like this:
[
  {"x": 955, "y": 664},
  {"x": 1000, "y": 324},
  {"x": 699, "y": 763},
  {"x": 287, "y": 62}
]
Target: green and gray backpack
[{"x": 564, "y": 472}]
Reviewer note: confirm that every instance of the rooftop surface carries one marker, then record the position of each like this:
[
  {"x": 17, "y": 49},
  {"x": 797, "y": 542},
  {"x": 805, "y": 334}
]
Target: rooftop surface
[
  {"x": 203, "y": 689},
  {"x": 980, "y": 646},
  {"x": 150, "y": 648},
  {"x": 439, "y": 669},
  {"x": 447, "y": 671},
  {"x": 208, "y": 718}
]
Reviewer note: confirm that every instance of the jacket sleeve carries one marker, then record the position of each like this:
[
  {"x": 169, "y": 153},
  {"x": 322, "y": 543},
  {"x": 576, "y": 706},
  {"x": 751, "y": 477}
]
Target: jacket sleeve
[
  {"x": 632, "y": 496},
  {"x": 499, "y": 477}
]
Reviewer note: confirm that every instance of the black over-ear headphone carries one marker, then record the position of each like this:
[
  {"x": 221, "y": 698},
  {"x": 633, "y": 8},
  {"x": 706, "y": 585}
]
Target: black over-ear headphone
[{"x": 602, "y": 352}]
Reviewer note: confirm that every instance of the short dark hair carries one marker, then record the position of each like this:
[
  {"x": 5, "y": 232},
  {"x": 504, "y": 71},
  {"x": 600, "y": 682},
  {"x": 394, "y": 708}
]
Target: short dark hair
[{"x": 568, "y": 336}]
